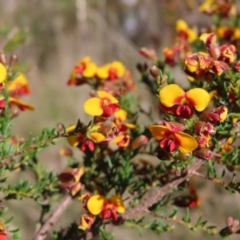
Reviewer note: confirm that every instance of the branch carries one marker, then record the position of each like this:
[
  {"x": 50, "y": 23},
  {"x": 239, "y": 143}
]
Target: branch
[
  {"x": 159, "y": 193},
  {"x": 41, "y": 234},
  {"x": 31, "y": 148},
  {"x": 213, "y": 231},
  {"x": 217, "y": 181}
]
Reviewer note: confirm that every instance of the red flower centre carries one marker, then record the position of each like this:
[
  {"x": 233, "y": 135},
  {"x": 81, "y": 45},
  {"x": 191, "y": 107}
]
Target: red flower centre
[
  {"x": 113, "y": 74},
  {"x": 80, "y": 69}
]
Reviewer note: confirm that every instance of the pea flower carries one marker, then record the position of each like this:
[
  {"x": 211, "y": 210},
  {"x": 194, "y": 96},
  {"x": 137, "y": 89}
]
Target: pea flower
[
  {"x": 185, "y": 32},
  {"x": 215, "y": 115},
  {"x": 171, "y": 139},
  {"x": 18, "y": 86},
  {"x": 223, "y": 8},
  {"x": 84, "y": 69},
  {"x": 106, "y": 207},
  {"x": 122, "y": 139},
  {"x": 175, "y": 99},
  {"x": 86, "y": 221},
  {"x": 228, "y": 33},
  {"x": 103, "y": 105},
  {"x": 204, "y": 130},
  {"x": 70, "y": 179},
  {"x": 111, "y": 71},
  {"x": 197, "y": 62},
  {"x": 85, "y": 140}
]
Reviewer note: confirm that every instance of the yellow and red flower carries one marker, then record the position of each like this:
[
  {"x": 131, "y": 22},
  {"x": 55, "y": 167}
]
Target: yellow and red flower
[
  {"x": 174, "y": 99},
  {"x": 86, "y": 221},
  {"x": 103, "y": 105},
  {"x": 18, "y": 86},
  {"x": 111, "y": 71},
  {"x": 215, "y": 115},
  {"x": 106, "y": 207},
  {"x": 204, "y": 130},
  {"x": 70, "y": 179},
  {"x": 198, "y": 62},
  {"x": 223, "y": 8},
  {"x": 85, "y": 69},
  {"x": 85, "y": 140},
  {"x": 171, "y": 139},
  {"x": 185, "y": 32},
  {"x": 228, "y": 33}
]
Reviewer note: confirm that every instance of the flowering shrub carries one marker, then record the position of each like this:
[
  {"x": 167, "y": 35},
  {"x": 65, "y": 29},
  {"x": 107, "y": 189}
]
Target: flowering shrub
[{"x": 193, "y": 133}]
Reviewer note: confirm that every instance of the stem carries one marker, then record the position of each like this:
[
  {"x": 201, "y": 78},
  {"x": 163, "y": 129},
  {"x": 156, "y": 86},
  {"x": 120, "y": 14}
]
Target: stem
[
  {"x": 215, "y": 180},
  {"x": 31, "y": 148},
  {"x": 179, "y": 221},
  {"x": 41, "y": 234}
]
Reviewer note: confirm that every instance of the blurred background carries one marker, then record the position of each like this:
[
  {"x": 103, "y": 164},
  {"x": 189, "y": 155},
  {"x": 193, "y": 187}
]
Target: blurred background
[{"x": 58, "y": 34}]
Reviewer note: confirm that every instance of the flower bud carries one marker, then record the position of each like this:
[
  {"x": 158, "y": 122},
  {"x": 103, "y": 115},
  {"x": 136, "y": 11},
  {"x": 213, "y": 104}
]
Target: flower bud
[
  {"x": 204, "y": 128},
  {"x": 3, "y": 58},
  {"x": 138, "y": 142},
  {"x": 66, "y": 151},
  {"x": 215, "y": 115},
  {"x": 13, "y": 59},
  {"x": 163, "y": 155},
  {"x": 148, "y": 53},
  {"x": 203, "y": 153},
  {"x": 235, "y": 223},
  {"x": 155, "y": 72},
  {"x": 229, "y": 221},
  {"x": 60, "y": 127}
]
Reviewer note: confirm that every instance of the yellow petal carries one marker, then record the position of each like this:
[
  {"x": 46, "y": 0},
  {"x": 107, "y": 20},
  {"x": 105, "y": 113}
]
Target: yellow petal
[
  {"x": 90, "y": 71},
  {"x": 102, "y": 72},
  {"x": 103, "y": 94},
  {"x": 118, "y": 139},
  {"x": 117, "y": 200},
  {"x": 3, "y": 73},
  {"x": 21, "y": 104},
  {"x": 130, "y": 125},
  {"x": 86, "y": 60},
  {"x": 181, "y": 25},
  {"x": 223, "y": 115},
  {"x": 119, "y": 67},
  {"x": 221, "y": 31},
  {"x": 205, "y": 37},
  {"x": 93, "y": 106},
  {"x": 73, "y": 141},
  {"x": 97, "y": 137},
  {"x": 159, "y": 132},
  {"x": 212, "y": 94},
  {"x": 95, "y": 204},
  {"x": 192, "y": 35},
  {"x": 187, "y": 143},
  {"x": 190, "y": 78},
  {"x": 120, "y": 115},
  {"x": 199, "y": 98},
  {"x": 171, "y": 94}
]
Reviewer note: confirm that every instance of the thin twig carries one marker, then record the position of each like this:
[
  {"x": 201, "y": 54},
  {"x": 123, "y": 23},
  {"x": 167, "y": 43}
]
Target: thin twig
[
  {"x": 32, "y": 147},
  {"x": 159, "y": 193},
  {"x": 215, "y": 180},
  {"x": 43, "y": 231},
  {"x": 179, "y": 221}
]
